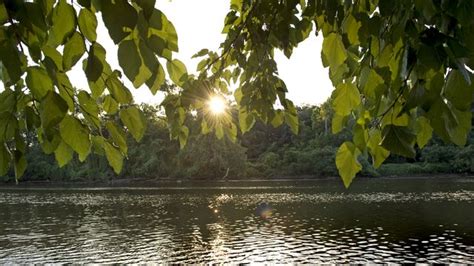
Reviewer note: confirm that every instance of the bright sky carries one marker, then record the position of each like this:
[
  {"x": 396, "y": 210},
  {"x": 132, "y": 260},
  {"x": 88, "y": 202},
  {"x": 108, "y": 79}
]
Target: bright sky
[{"x": 199, "y": 25}]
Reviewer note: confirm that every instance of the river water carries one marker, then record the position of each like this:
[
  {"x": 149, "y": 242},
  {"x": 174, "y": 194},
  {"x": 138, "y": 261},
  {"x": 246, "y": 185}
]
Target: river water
[{"x": 376, "y": 220}]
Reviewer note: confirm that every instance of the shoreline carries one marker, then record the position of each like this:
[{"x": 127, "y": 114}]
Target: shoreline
[{"x": 170, "y": 182}]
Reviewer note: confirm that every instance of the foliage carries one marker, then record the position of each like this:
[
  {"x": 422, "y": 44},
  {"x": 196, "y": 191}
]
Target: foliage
[
  {"x": 41, "y": 41},
  {"x": 399, "y": 68},
  {"x": 400, "y": 71}
]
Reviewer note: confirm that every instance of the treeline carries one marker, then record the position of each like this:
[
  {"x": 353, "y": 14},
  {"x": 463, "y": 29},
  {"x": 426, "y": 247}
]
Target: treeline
[{"x": 264, "y": 152}]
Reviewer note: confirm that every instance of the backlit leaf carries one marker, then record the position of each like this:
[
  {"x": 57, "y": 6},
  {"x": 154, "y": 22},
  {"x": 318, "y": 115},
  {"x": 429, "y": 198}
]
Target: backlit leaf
[
  {"x": 76, "y": 135},
  {"x": 88, "y": 24},
  {"x": 134, "y": 120},
  {"x": 346, "y": 98},
  {"x": 347, "y": 163},
  {"x": 73, "y": 50}
]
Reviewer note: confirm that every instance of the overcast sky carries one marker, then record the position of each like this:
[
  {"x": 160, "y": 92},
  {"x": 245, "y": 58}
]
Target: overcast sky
[{"x": 199, "y": 25}]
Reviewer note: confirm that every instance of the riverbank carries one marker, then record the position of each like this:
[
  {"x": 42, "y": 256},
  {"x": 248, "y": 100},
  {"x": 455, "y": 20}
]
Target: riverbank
[{"x": 171, "y": 182}]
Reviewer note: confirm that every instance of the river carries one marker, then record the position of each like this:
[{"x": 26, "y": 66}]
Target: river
[{"x": 375, "y": 221}]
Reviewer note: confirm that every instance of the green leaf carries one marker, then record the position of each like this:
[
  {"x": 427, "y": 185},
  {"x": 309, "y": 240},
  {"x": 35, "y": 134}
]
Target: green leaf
[
  {"x": 134, "y": 120},
  {"x": 276, "y": 121},
  {"x": 291, "y": 119},
  {"x": 3, "y": 14},
  {"x": 351, "y": 28},
  {"x": 38, "y": 82},
  {"x": 118, "y": 90},
  {"x": 63, "y": 154},
  {"x": 424, "y": 131},
  {"x": 156, "y": 80},
  {"x": 110, "y": 105},
  {"x": 89, "y": 108},
  {"x": 94, "y": 66},
  {"x": 8, "y": 126},
  {"x": 236, "y": 5},
  {"x": 52, "y": 56},
  {"x": 10, "y": 58},
  {"x": 379, "y": 153},
  {"x": 76, "y": 135},
  {"x": 458, "y": 91},
  {"x": 119, "y": 17},
  {"x": 347, "y": 163},
  {"x": 73, "y": 50},
  {"x": 118, "y": 137},
  {"x": 360, "y": 137},
  {"x": 333, "y": 50},
  {"x": 346, "y": 97},
  {"x": 64, "y": 23},
  {"x": 246, "y": 120},
  {"x": 373, "y": 84},
  {"x": 8, "y": 100},
  {"x": 114, "y": 157},
  {"x": 131, "y": 63},
  {"x": 337, "y": 123},
  {"x": 450, "y": 123},
  {"x": 163, "y": 37},
  {"x": 399, "y": 140},
  {"x": 88, "y": 24},
  {"x": 4, "y": 159},
  {"x": 52, "y": 110},
  {"x": 177, "y": 71}
]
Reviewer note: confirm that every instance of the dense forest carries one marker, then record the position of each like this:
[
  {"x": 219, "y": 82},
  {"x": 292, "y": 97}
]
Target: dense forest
[{"x": 263, "y": 152}]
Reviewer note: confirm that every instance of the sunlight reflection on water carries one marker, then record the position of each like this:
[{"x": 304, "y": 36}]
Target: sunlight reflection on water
[{"x": 202, "y": 225}]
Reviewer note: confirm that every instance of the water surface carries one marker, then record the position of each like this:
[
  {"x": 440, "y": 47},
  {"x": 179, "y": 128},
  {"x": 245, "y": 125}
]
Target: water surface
[{"x": 377, "y": 220}]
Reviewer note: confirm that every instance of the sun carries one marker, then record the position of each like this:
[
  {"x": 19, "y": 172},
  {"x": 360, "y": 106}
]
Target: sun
[{"x": 216, "y": 105}]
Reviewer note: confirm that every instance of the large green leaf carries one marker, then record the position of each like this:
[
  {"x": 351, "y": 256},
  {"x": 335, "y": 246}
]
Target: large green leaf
[
  {"x": 94, "y": 66},
  {"x": 118, "y": 90},
  {"x": 119, "y": 17},
  {"x": 177, "y": 71},
  {"x": 118, "y": 136},
  {"x": 8, "y": 126},
  {"x": 52, "y": 110},
  {"x": 63, "y": 154},
  {"x": 38, "y": 82},
  {"x": 64, "y": 23},
  {"x": 458, "y": 91},
  {"x": 246, "y": 120},
  {"x": 399, "y": 140},
  {"x": 347, "y": 163},
  {"x": 156, "y": 80},
  {"x": 351, "y": 28},
  {"x": 134, "y": 120},
  {"x": 114, "y": 157},
  {"x": 333, "y": 50},
  {"x": 88, "y": 24},
  {"x": 89, "y": 108},
  {"x": 163, "y": 37},
  {"x": 424, "y": 131},
  {"x": 131, "y": 63},
  {"x": 379, "y": 153},
  {"x": 110, "y": 105},
  {"x": 10, "y": 58},
  {"x": 449, "y": 123},
  {"x": 73, "y": 50},
  {"x": 76, "y": 135},
  {"x": 346, "y": 98}
]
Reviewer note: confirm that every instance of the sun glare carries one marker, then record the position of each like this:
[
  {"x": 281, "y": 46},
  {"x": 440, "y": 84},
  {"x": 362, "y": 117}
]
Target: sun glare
[{"x": 217, "y": 105}]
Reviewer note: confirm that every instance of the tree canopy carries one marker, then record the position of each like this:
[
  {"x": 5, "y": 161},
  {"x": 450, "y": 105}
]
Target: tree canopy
[{"x": 401, "y": 71}]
